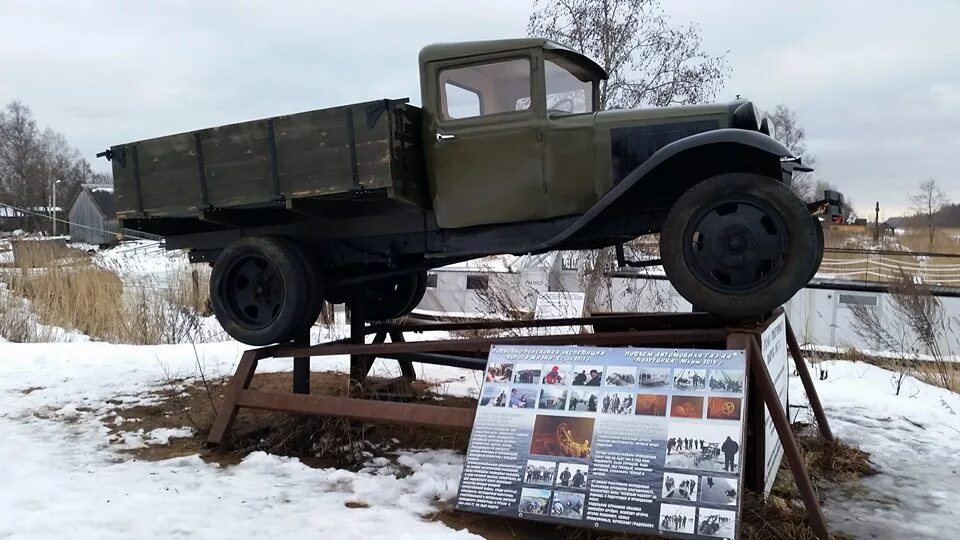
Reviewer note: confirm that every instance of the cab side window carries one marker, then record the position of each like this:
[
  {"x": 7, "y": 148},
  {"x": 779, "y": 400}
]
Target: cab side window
[{"x": 485, "y": 89}]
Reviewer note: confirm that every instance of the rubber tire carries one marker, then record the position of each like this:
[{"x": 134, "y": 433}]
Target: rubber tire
[
  {"x": 418, "y": 293},
  {"x": 294, "y": 276},
  {"x": 410, "y": 290},
  {"x": 797, "y": 266},
  {"x": 821, "y": 244},
  {"x": 314, "y": 281}
]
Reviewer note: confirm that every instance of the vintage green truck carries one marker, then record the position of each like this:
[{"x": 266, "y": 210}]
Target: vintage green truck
[{"x": 508, "y": 153}]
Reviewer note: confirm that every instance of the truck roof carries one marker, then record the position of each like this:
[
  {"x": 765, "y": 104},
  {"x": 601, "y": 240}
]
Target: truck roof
[{"x": 446, "y": 51}]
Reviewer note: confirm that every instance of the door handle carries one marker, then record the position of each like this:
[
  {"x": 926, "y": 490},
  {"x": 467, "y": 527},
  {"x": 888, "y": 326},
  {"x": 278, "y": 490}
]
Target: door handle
[{"x": 445, "y": 137}]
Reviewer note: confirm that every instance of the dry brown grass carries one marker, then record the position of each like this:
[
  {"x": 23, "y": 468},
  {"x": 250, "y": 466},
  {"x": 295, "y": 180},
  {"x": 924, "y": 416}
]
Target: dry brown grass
[
  {"x": 317, "y": 441},
  {"x": 70, "y": 291},
  {"x": 189, "y": 289},
  {"x": 943, "y": 373},
  {"x": 77, "y": 295}
]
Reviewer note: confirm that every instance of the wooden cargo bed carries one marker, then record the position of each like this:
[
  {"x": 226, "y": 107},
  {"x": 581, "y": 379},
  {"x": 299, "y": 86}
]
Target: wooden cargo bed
[{"x": 351, "y": 152}]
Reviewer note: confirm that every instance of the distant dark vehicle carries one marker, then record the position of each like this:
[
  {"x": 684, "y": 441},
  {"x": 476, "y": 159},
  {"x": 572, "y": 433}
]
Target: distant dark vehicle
[{"x": 509, "y": 153}]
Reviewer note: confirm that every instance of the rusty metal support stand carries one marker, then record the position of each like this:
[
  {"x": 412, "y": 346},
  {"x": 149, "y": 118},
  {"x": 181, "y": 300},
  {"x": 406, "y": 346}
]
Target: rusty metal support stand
[
  {"x": 406, "y": 366},
  {"x": 791, "y": 450},
  {"x": 229, "y": 408},
  {"x": 811, "y": 390},
  {"x": 673, "y": 330},
  {"x": 301, "y": 364},
  {"x": 359, "y": 364}
]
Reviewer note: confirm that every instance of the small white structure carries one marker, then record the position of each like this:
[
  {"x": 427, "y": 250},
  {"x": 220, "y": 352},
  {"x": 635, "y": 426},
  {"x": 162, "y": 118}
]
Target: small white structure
[
  {"x": 93, "y": 217},
  {"x": 472, "y": 288},
  {"x": 820, "y": 313}
]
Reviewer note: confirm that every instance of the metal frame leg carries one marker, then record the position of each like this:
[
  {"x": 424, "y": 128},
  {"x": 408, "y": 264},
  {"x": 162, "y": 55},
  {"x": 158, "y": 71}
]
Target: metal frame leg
[
  {"x": 808, "y": 386},
  {"x": 227, "y": 414},
  {"x": 791, "y": 450}
]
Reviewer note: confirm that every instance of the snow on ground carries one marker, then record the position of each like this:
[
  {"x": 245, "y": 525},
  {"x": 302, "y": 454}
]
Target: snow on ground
[
  {"x": 62, "y": 479},
  {"x": 144, "y": 261},
  {"x": 62, "y": 476},
  {"x": 913, "y": 438}
]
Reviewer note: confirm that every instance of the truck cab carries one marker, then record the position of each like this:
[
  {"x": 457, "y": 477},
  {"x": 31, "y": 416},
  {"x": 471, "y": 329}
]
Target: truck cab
[
  {"x": 509, "y": 116},
  {"x": 513, "y": 131}
]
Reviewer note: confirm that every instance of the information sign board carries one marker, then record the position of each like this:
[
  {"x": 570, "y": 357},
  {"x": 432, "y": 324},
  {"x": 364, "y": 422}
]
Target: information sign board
[{"x": 627, "y": 439}]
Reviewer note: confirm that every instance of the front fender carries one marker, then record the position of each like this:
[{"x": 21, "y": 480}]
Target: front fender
[{"x": 729, "y": 138}]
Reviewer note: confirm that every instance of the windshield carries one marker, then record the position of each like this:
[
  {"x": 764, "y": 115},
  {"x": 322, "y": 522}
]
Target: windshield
[{"x": 569, "y": 87}]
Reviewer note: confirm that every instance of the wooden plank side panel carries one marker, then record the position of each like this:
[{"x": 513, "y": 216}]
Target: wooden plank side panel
[
  {"x": 314, "y": 154},
  {"x": 314, "y": 158},
  {"x": 237, "y": 164},
  {"x": 371, "y": 125},
  {"x": 169, "y": 175}
]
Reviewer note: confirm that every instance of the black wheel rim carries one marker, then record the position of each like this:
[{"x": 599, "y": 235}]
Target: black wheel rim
[
  {"x": 255, "y": 291},
  {"x": 736, "y": 246}
]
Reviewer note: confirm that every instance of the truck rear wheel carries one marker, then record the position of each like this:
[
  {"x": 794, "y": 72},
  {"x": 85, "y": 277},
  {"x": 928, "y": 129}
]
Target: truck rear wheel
[
  {"x": 315, "y": 289},
  {"x": 259, "y": 289},
  {"x": 739, "y": 245},
  {"x": 392, "y": 297}
]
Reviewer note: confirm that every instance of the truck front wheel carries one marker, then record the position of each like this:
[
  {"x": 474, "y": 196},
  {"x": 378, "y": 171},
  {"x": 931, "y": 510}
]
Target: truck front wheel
[
  {"x": 259, "y": 289},
  {"x": 739, "y": 245}
]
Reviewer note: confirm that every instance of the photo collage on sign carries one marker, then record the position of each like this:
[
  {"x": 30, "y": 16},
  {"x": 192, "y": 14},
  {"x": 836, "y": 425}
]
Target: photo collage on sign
[
  {"x": 703, "y": 408},
  {"x": 553, "y": 487},
  {"x": 703, "y": 447}
]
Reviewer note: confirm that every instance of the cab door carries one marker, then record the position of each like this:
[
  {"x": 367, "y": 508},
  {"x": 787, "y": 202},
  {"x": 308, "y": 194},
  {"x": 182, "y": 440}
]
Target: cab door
[{"x": 483, "y": 143}]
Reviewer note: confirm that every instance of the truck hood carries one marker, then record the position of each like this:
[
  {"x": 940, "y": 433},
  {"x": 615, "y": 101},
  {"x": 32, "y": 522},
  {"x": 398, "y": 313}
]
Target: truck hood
[{"x": 739, "y": 113}]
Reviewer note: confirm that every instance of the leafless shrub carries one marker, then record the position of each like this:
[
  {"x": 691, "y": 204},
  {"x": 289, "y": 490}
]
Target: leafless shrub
[
  {"x": 915, "y": 329},
  {"x": 16, "y": 322}
]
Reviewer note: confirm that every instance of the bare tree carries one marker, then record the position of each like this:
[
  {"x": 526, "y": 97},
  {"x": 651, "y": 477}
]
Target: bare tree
[
  {"x": 21, "y": 152},
  {"x": 33, "y": 162},
  {"x": 927, "y": 202},
  {"x": 649, "y": 61},
  {"x": 790, "y": 133}
]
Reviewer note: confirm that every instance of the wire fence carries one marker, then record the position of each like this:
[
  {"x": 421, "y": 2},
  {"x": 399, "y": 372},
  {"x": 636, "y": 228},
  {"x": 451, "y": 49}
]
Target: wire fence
[
  {"x": 72, "y": 224},
  {"x": 889, "y": 268}
]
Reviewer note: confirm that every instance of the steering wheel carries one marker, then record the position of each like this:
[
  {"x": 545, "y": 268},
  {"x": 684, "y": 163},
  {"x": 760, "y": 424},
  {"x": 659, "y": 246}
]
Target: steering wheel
[{"x": 558, "y": 106}]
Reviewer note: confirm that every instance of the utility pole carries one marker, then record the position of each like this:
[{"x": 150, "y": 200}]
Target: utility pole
[
  {"x": 876, "y": 224},
  {"x": 53, "y": 207}
]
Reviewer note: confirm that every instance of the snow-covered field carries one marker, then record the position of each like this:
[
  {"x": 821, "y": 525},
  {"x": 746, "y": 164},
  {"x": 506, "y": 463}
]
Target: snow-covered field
[{"x": 61, "y": 476}]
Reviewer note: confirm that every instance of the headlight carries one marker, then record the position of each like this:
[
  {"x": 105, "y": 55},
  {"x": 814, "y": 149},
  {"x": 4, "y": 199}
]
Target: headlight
[
  {"x": 746, "y": 117},
  {"x": 767, "y": 127}
]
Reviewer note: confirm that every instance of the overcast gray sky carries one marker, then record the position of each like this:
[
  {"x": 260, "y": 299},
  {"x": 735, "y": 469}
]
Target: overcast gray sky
[{"x": 876, "y": 84}]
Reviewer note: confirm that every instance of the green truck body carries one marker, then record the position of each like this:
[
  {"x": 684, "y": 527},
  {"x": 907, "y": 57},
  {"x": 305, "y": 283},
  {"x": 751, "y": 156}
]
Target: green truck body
[{"x": 507, "y": 153}]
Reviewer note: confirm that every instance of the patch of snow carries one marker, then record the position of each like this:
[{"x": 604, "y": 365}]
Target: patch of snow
[
  {"x": 913, "y": 438},
  {"x": 163, "y": 435}
]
